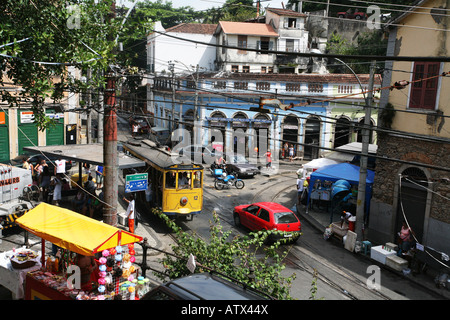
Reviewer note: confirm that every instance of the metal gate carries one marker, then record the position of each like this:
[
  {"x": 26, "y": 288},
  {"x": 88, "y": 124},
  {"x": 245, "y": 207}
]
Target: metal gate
[
  {"x": 27, "y": 130},
  {"x": 4, "y": 138}
]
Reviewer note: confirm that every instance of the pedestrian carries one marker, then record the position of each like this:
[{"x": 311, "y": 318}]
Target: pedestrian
[
  {"x": 44, "y": 182},
  {"x": 130, "y": 212},
  {"x": 285, "y": 150},
  {"x": 148, "y": 192},
  {"x": 291, "y": 153},
  {"x": 89, "y": 186},
  {"x": 27, "y": 165},
  {"x": 135, "y": 129},
  {"x": 87, "y": 168},
  {"x": 99, "y": 176},
  {"x": 300, "y": 188},
  {"x": 405, "y": 239},
  {"x": 57, "y": 184},
  {"x": 60, "y": 166},
  {"x": 268, "y": 155}
]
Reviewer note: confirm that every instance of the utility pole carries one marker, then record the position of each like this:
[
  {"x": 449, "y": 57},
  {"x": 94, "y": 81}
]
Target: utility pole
[
  {"x": 89, "y": 108},
  {"x": 196, "y": 117},
  {"x": 360, "y": 203},
  {"x": 110, "y": 160},
  {"x": 172, "y": 70}
]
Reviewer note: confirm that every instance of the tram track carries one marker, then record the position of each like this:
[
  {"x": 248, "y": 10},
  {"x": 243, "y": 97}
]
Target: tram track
[{"x": 336, "y": 279}]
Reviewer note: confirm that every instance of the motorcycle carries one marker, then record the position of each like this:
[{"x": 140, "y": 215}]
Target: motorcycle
[{"x": 227, "y": 181}]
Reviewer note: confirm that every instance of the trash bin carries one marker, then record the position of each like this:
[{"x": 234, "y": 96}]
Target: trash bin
[{"x": 351, "y": 223}]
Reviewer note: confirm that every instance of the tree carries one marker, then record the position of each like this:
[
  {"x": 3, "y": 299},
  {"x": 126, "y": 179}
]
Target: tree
[
  {"x": 242, "y": 258},
  {"x": 40, "y": 39}
]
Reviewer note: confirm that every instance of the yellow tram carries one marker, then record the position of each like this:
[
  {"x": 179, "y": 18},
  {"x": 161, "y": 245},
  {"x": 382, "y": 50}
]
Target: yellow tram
[{"x": 176, "y": 184}]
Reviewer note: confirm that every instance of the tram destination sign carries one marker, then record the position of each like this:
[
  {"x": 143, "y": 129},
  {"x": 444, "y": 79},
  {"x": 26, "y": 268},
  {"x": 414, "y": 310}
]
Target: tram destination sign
[{"x": 136, "y": 182}]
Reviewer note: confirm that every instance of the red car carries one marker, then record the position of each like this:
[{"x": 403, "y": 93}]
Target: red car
[{"x": 268, "y": 216}]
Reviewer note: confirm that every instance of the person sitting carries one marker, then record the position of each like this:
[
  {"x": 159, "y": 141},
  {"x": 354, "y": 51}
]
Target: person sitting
[
  {"x": 183, "y": 181},
  {"x": 90, "y": 186}
]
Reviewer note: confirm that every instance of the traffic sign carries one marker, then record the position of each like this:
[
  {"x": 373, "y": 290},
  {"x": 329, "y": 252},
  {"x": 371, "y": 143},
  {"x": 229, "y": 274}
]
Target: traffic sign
[{"x": 136, "y": 182}]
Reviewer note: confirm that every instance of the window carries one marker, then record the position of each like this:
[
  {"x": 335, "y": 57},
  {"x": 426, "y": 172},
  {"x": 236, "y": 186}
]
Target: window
[
  {"x": 292, "y": 86},
  {"x": 242, "y": 43},
  {"x": 263, "y": 86},
  {"x": 234, "y": 68},
  {"x": 270, "y": 70},
  {"x": 289, "y": 45},
  {"x": 239, "y": 85},
  {"x": 190, "y": 84},
  {"x": 197, "y": 179},
  {"x": 423, "y": 93},
  {"x": 170, "y": 180},
  {"x": 263, "y": 69},
  {"x": 264, "y": 44},
  {"x": 245, "y": 69},
  {"x": 264, "y": 215},
  {"x": 315, "y": 87},
  {"x": 220, "y": 85}
]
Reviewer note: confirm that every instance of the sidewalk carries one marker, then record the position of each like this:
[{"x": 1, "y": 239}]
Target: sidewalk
[{"x": 320, "y": 219}]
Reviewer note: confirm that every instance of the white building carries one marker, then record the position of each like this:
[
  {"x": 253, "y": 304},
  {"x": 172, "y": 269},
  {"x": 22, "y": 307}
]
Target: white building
[{"x": 164, "y": 45}]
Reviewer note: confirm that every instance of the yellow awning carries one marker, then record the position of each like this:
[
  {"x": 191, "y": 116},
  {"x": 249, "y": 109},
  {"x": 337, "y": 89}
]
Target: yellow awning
[{"x": 73, "y": 231}]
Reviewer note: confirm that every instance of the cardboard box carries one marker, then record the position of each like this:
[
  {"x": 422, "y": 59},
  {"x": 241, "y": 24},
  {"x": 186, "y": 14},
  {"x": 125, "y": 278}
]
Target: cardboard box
[
  {"x": 391, "y": 246},
  {"x": 379, "y": 254},
  {"x": 397, "y": 263}
]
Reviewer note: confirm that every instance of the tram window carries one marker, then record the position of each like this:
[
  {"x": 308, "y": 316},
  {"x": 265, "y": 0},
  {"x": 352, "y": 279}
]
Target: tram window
[
  {"x": 197, "y": 179},
  {"x": 170, "y": 180},
  {"x": 183, "y": 180}
]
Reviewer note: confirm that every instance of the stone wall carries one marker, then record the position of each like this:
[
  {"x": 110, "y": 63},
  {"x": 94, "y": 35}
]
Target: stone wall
[{"x": 413, "y": 150}]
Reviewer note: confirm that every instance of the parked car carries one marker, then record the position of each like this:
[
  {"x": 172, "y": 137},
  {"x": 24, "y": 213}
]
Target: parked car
[
  {"x": 268, "y": 216},
  {"x": 36, "y": 158},
  {"x": 358, "y": 15},
  {"x": 203, "y": 286},
  {"x": 240, "y": 165},
  {"x": 198, "y": 153}
]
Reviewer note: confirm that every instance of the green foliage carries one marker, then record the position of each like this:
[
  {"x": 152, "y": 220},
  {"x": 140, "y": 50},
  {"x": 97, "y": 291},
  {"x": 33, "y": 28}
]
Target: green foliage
[
  {"x": 243, "y": 258},
  {"x": 368, "y": 43},
  {"x": 55, "y": 37}
]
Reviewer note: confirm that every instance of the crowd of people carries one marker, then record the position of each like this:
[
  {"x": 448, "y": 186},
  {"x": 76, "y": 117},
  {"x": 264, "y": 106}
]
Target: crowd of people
[{"x": 54, "y": 183}]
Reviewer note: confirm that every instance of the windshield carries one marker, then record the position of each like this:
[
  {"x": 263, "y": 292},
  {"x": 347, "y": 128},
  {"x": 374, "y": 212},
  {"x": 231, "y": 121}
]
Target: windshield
[
  {"x": 239, "y": 159},
  {"x": 284, "y": 217}
]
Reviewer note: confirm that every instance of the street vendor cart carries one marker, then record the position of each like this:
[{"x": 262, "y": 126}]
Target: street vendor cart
[{"x": 111, "y": 247}]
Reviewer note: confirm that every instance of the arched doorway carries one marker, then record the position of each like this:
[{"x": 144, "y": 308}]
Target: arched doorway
[
  {"x": 359, "y": 131},
  {"x": 217, "y": 131},
  {"x": 412, "y": 200},
  {"x": 290, "y": 131},
  {"x": 312, "y": 138},
  {"x": 240, "y": 133},
  {"x": 342, "y": 132}
]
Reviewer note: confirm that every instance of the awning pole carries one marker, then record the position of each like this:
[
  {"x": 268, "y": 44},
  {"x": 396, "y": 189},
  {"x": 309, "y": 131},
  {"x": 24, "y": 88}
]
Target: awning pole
[{"x": 43, "y": 252}]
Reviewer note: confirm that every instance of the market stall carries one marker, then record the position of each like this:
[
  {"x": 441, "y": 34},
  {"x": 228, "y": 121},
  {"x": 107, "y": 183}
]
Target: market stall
[
  {"x": 78, "y": 237},
  {"x": 322, "y": 180}
]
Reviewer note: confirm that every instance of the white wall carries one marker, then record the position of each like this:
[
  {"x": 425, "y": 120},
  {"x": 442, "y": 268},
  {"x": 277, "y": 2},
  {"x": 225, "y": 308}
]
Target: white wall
[{"x": 163, "y": 49}]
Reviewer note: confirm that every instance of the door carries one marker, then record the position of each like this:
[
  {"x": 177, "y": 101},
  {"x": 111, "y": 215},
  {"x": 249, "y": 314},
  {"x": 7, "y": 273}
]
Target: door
[
  {"x": 4, "y": 138},
  {"x": 55, "y": 135},
  {"x": 27, "y": 130},
  {"x": 412, "y": 201}
]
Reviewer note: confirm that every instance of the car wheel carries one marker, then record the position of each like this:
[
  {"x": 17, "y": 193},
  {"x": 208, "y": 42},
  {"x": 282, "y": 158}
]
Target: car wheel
[
  {"x": 237, "y": 219},
  {"x": 239, "y": 184},
  {"x": 358, "y": 17}
]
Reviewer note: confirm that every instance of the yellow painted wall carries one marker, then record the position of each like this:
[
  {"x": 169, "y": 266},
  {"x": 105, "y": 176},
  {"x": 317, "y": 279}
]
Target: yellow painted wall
[{"x": 422, "y": 41}]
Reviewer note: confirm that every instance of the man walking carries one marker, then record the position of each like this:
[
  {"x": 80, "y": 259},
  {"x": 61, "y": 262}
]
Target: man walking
[{"x": 130, "y": 212}]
